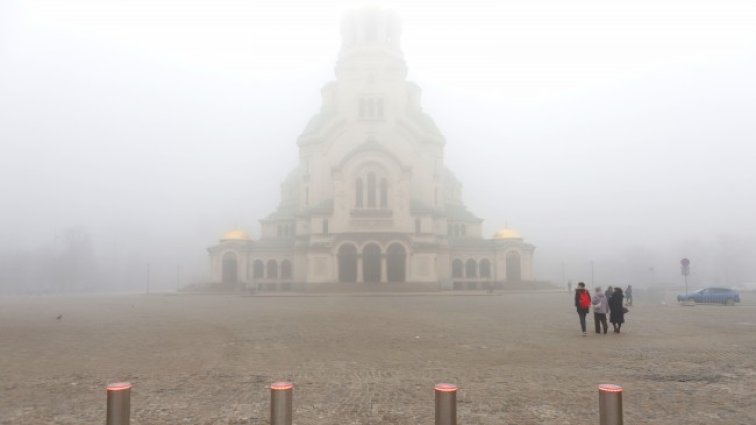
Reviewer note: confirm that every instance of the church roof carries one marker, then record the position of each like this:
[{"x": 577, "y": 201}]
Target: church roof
[
  {"x": 425, "y": 122},
  {"x": 235, "y": 235},
  {"x": 282, "y": 213},
  {"x": 268, "y": 243},
  {"x": 324, "y": 207},
  {"x": 460, "y": 212},
  {"x": 507, "y": 233},
  {"x": 419, "y": 207},
  {"x": 318, "y": 121}
]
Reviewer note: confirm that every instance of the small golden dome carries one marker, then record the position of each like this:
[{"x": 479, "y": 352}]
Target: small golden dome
[
  {"x": 235, "y": 235},
  {"x": 507, "y": 234}
]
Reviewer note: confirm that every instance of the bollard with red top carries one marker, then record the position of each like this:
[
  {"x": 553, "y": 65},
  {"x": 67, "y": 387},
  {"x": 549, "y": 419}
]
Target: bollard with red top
[
  {"x": 446, "y": 404},
  {"x": 281, "y": 403},
  {"x": 119, "y": 404},
  {"x": 610, "y": 404}
]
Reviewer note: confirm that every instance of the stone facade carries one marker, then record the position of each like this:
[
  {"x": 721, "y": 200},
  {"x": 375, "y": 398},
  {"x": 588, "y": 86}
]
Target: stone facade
[{"x": 371, "y": 200}]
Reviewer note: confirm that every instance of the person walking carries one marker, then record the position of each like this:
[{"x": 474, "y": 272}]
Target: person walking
[
  {"x": 582, "y": 304},
  {"x": 600, "y": 308},
  {"x": 617, "y": 312},
  {"x": 629, "y": 295}
]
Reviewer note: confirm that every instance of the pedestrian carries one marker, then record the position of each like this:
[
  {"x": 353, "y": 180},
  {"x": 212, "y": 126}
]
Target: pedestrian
[
  {"x": 569, "y": 286},
  {"x": 600, "y": 308},
  {"x": 617, "y": 312},
  {"x": 609, "y": 291},
  {"x": 582, "y": 304},
  {"x": 629, "y": 295}
]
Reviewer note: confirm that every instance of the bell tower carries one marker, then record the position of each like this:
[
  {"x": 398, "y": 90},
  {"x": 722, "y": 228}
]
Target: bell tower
[{"x": 370, "y": 44}]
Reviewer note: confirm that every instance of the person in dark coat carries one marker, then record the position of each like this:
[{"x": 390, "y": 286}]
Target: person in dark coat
[
  {"x": 617, "y": 312},
  {"x": 582, "y": 311}
]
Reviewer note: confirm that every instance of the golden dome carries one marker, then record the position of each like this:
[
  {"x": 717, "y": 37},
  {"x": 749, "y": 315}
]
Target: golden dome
[
  {"x": 507, "y": 234},
  {"x": 235, "y": 235}
]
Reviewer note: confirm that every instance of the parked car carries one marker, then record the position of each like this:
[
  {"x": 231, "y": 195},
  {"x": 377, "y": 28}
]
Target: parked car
[{"x": 711, "y": 296}]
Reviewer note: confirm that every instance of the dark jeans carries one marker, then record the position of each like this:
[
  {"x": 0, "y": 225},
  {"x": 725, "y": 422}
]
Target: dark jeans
[
  {"x": 582, "y": 315},
  {"x": 600, "y": 320}
]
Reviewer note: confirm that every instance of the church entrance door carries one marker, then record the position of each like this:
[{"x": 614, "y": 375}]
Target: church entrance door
[
  {"x": 371, "y": 263},
  {"x": 348, "y": 263},
  {"x": 514, "y": 273},
  {"x": 229, "y": 268},
  {"x": 396, "y": 257}
]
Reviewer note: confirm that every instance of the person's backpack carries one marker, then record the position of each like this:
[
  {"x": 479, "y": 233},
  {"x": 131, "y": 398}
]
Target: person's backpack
[{"x": 584, "y": 300}]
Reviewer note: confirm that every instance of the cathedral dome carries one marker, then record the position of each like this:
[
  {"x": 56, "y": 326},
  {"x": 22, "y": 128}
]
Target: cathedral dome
[
  {"x": 235, "y": 235},
  {"x": 507, "y": 234}
]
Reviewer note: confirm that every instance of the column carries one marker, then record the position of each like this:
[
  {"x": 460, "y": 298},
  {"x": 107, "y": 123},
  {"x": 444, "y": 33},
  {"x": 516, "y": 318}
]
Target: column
[
  {"x": 384, "y": 269},
  {"x": 359, "y": 269}
]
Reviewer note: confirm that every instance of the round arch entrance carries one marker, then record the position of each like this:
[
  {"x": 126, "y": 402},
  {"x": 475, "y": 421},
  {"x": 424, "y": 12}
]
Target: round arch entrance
[
  {"x": 396, "y": 259},
  {"x": 371, "y": 263},
  {"x": 230, "y": 268},
  {"x": 348, "y": 263},
  {"x": 514, "y": 269}
]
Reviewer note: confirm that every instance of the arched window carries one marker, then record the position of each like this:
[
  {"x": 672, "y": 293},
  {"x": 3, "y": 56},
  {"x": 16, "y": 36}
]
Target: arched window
[
  {"x": 485, "y": 268},
  {"x": 258, "y": 269},
  {"x": 471, "y": 268},
  {"x": 384, "y": 193},
  {"x": 371, "y": 190},
  {"x": 272, "y": 269},
  {"x": 457, "y": 267},
  {"x": 371, "y": 29},
  {"x": 285, "y": 269},
  {"x": 359, "y": 193}
]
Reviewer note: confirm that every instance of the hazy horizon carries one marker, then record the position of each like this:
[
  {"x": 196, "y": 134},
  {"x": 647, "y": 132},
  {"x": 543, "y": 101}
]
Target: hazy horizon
[{"x": 619, "y": 135}]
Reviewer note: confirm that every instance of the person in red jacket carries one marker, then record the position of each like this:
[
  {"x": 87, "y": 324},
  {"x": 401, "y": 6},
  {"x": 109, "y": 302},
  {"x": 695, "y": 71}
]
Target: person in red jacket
[{"x": 582, "y": 304}]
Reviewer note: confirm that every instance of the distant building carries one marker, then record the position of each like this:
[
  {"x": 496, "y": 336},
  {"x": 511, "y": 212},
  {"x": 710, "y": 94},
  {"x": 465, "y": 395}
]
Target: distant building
[{"x": 371, "y": 201}]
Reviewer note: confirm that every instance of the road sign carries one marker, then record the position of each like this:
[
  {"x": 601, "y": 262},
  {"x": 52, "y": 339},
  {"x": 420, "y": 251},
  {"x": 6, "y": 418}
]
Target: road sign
[{"x": 685, "y": 269}]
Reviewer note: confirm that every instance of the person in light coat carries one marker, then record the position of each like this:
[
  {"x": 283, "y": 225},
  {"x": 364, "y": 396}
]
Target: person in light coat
[{"x": 600, "y": 309}]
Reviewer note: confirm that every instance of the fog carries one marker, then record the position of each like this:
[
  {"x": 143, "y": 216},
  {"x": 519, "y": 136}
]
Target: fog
[{"x": 617, "y": 137}]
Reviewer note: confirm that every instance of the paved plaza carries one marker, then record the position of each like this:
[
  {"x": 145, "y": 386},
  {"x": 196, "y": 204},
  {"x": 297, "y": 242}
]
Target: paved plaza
[{"x": 517, "y": 357}]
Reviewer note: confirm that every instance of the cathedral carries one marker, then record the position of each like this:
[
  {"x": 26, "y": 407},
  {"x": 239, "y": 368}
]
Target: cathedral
[{"x": 371, "y": 203}]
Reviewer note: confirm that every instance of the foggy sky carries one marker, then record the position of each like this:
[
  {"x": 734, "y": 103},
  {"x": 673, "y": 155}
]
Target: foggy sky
[{"x": 605, "y": 132}]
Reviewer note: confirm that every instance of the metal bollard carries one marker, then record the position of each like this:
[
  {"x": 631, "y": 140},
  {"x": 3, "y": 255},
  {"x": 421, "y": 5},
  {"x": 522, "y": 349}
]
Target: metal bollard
[
  {"x": 281, "y": 403},
  {"x": 610, "y": 404},
  {"x": 446, "y": 404},
  {"x": 119, "y": 404}
]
